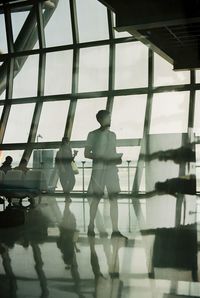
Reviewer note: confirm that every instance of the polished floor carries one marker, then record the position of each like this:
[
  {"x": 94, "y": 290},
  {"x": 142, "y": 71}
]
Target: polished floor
[{"x": 50, "y": 254}]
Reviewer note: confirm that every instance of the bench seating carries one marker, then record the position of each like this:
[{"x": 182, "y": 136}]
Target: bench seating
[{"x": 16, "y": 184}]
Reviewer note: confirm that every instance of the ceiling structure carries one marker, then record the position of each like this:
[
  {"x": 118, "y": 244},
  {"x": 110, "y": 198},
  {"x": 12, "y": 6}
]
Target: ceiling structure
[{"x": 171, "y": 27}]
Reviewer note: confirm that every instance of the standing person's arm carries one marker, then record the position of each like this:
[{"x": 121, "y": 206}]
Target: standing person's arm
[
  {"x": 88, "y": 147},
  {"x": 117, "y": 157}
]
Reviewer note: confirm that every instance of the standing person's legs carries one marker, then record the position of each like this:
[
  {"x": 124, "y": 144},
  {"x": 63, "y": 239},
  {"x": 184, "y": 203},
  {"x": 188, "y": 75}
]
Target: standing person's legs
[
  {"x": 65, "y": 185},
  {"x": 96, "y": 190},
  {"x": 114, "y": 213},
  {"x": 93, "y": 210},
  {"x": 113, "y": 187},
  {"x": 114, "y": 216}
]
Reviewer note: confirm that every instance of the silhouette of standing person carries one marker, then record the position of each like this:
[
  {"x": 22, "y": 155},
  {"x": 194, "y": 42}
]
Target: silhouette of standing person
[
  {"x": 101, "y": 148},
  {"x": 63, "y": 161},
  {"x": 6, "y": 165}
]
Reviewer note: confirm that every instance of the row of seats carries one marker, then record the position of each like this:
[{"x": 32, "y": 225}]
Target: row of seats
[{"x": 19, "y": 184}]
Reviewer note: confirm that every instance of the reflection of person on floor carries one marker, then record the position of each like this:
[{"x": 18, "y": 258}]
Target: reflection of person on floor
[
  {"x": 94, "y": 259},
  {"x": 109, "y": 286},
  {"x": 67, "y": 244},
  {"x": 179, "y": 155},
  {"x": 7, "y": 164},
  {"x": 101, "y": 148},
  {"x": 9, "y": 289},
  {"x": 63, "y": 162}
]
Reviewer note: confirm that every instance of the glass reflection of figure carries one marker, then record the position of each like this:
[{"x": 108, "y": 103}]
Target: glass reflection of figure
[
  {"x": 174, "y": 186},
  {"x": 101, "y": 148},
  {"x": 111, "y": 286},
  {"x": 178, "y": 185},
  {"x": 174, "y": 249},
  {"x": 179, "y": 155},
  {"x": 68, "y": 247}
]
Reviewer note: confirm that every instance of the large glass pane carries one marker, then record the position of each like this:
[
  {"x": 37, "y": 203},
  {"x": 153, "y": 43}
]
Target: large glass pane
[
  {"x": 169, "y": 113},
  {"x": 58, "y": 75},
  {"x": 25, "y": 82},
  {"x": 85, "y": 117},
  {"x": 52, "y": 120},
  {"x": 58, "y": 29},
  {"x": 197, "y": 114},
  {"x": 3, "y": 47},
  {"x": 129, "y": 153},
  {"x": 131, "y": 65},
  {"x": 92, "y": 20},
  {"x": 165, "y": 75},
  {"x": 197, "y": 76},
  {"x": 19, "y": 123},
  {"x": 127, "y": 169},
  {"x": 128, "y": 116},
  {"x": 93, "y": 73}
]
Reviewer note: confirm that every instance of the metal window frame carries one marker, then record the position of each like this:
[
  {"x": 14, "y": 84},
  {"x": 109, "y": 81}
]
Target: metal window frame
[{"x": 74, "y": 96}]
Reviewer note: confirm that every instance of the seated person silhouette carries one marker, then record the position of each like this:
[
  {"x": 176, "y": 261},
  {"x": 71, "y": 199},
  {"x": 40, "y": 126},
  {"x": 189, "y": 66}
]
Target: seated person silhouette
[
  {"x": 179, "y": 185},
  {"x": 6, "y": 165},
  {"x": 22, "y": 167}
]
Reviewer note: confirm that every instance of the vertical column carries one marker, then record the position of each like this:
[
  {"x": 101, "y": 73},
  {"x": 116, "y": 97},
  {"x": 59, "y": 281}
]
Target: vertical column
[
  {"x": 111, "y": 79},
  {"x": 41, "y": 81},
  {"x": 144, "y": 141},
  {"x": 75, "y": 70}
]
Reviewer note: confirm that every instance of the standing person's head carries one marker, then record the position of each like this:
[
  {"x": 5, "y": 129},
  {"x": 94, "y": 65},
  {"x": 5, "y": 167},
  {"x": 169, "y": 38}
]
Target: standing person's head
[{"x": 104, "y": 118}]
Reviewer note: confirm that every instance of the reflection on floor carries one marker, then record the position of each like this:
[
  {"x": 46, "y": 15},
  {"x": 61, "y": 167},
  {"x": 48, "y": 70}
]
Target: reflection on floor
[{"x": 50, "y": 254}]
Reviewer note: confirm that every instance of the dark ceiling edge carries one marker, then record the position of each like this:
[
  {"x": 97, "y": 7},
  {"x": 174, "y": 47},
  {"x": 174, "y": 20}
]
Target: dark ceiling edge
[{"x": 107, "y": 5}]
